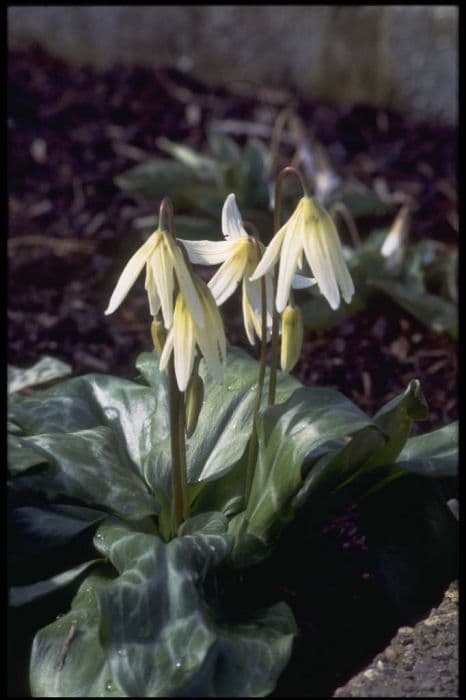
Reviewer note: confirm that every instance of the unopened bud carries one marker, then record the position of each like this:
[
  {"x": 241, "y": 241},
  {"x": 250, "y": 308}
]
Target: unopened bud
[
  {"x": 159, "y": 335},
  {"x": 292, "y": 337},
  {"x": 194, "y": 401}
]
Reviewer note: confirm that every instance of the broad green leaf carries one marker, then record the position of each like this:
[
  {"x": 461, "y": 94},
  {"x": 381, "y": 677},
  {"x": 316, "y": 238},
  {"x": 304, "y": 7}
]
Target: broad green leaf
[
  {"x": 441, "y": 315},
  {"x": 20, "y": 595},
  {"x": 67, "y": 658},
  {"x": 363, "y": 204},
  {"x": 152, "y": 633},
  {"x": 55, "y": 524},
  {"x": 157, "y": 178},
  {"x": 434, "y": 454},
  {"x": 131, "y": 411},
  {"x": 254, "y": 183},
  {"x": 86, "y": 465},
  {"x": 224, "y": 423},
  {"x": 204, "y": 167},
  {"x": 319, "y": 316},
  {"x": 43, "y": 371},
  {"x": 20, "y": 457},
  {"x": 197, "y": 228},
  {"x": 310, "y": 418},
  {"x": 395, "y": 419},
  {"x": 337, "y": 465},
  {"x": 222, "y": 147}
]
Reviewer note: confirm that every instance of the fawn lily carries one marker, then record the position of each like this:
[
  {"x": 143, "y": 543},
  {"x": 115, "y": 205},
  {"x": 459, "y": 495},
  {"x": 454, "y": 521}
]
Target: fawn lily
[
  {"x": 186, "y": 334},
  {"x": 164, "y": 263},
  {"x": 240, "y": 255},
  {"x": 310, "y": 229}
]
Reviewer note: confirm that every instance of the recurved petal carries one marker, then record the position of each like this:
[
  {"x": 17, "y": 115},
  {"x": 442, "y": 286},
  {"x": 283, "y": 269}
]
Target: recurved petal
[
  {"x": 271, "y": 254},
  {"x": 183, "y": 343},
  {"x": 208, "y": 252},
  {"x": 131, "y": 272},
  {"x": 225, "y": 281},
  {"x": 232, "y": 223},
  {"x": 320, "y": 263}
]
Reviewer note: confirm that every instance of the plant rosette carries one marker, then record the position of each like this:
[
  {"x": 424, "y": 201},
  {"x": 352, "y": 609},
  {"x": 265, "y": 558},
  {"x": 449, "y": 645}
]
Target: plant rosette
[{"x": 90, "y": 461}]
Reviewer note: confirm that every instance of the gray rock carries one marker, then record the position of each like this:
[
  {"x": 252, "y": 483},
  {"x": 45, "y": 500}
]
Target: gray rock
[
  {"x": 399, "y": 56},
  {"x": 421, "y": 661}
]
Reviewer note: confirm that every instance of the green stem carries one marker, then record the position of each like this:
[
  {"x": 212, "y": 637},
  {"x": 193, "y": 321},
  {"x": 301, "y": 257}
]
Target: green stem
[
  {"x": 260, "y": 386},
  {"x": 179, "y": 511}
]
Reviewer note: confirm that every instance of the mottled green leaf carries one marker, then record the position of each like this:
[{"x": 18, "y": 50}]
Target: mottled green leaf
[
  {"x": 287, "y": 433},
  {"x": 158, "y": 178},
  {"x": 43, "y": 371},
  {"x": 20, "y": 595},
  {"x": 152, "y": 633},
  {"x": 86, "y": 465}
]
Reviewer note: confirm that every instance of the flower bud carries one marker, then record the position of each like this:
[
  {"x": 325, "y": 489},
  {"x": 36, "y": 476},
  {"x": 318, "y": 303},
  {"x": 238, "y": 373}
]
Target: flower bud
[
  {"x": 159, "y": 335},
  {"x": 292, "y": 337},
  {"x": 194, "y": 401}
]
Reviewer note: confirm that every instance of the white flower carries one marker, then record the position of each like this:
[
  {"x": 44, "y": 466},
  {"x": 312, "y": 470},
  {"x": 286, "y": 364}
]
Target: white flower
[
  {"x": 239, "y": 255},
  {"x": 164, "y": 263},
  {"x": 310, "y": 229},
  {"x": 186, "y": 334}
]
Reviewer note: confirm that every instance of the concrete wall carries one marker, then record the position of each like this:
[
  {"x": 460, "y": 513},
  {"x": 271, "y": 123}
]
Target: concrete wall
[{"x": 400, "y": 56}]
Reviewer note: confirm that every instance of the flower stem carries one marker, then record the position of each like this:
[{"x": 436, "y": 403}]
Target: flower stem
[
  {"x": 179, "y": 511},
  {"x": 260, "y": 386},
  {"x": 180, "y": 502}
]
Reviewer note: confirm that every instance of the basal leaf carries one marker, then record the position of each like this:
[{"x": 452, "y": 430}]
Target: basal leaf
[
  {"x": 43, "y": 371},
  {"x": 288, "y": 432},
  {"x": 86, "y": 465},
  {"x": 157, "y": 178},
  {"x": 441, "y": 315},
  {"x": 20, "y": 595},
  {"x": 434, "y": 454},
  {"x": 150, "y": 630}
]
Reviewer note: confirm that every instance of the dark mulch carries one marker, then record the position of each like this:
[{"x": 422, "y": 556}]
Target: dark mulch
[{"x": 72, "y": 130}]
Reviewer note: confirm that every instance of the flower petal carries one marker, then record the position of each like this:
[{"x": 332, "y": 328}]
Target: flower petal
[
  {"x": 248, "y": 314},
  {"x": 183, "y": 343},
  {"x": 320, "y": 263},
  {"x": 335, "y": 254},
  {"x": 131, "y": 272},
  {"x": 208, "y": 252},
  {"x": 187, "y": 286},
  {"x": 225, "y": 281},
  {"x": 271, "y": 254},
  {"x": 212, "y": 343},
  {"x": 149, "y": 286},
  {"x": 291, "y": 249},
  {"x": 232, "y": 223},
  {"x": 162, "y": 270}
]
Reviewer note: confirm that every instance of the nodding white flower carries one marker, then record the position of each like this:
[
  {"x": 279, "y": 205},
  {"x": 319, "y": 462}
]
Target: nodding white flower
[
  {"x": 186, "y": 334},
  {"x": 309, "y": 230},
  {"x": 164, "y": 263},
  {"x": 239, "y": 255}
]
